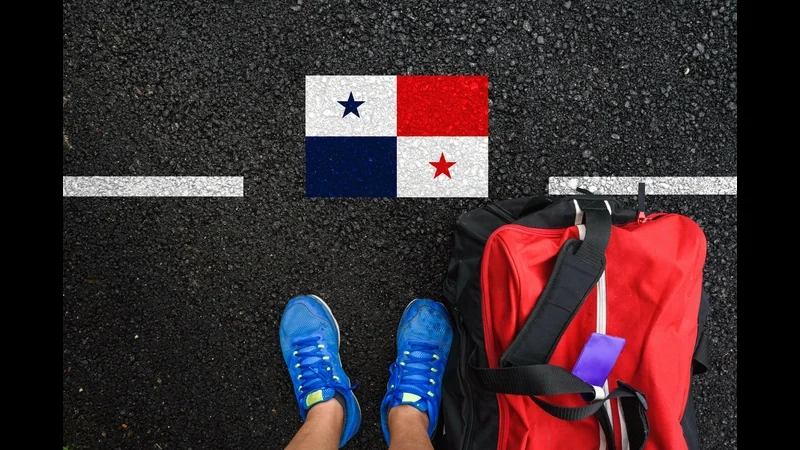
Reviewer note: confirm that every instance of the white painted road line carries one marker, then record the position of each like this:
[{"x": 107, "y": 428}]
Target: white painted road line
[
  {"x": 653, "y": 185},
  {"x": 153, "y": 186}
]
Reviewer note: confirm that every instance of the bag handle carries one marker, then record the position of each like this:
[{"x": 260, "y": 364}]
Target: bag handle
[{"x": 545, "y": 379}]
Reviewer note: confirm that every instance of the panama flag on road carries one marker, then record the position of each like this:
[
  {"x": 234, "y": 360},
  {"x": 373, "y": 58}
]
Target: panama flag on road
[{"x": 397, "y": 136}]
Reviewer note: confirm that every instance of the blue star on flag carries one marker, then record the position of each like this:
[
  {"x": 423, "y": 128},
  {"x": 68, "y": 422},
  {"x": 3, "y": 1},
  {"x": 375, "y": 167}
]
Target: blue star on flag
[{"x": 350, "y": 106}]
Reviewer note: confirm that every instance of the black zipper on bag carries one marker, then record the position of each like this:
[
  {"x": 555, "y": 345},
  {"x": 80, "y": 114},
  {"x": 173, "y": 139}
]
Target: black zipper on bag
[
  {"x": 500, "y": 212},
  {"x": 641, "y": 212}
]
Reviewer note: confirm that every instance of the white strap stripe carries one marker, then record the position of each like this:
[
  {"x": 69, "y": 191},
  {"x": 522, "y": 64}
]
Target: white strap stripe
[
  {"x": 578, "y": 213},
  {"x": 603, "y": 444}
]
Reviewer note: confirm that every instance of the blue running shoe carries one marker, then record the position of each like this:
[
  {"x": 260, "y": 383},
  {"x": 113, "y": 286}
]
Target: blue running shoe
[
  {"x": 310, "y": 346},
  {"x": 424, "y": 336}
]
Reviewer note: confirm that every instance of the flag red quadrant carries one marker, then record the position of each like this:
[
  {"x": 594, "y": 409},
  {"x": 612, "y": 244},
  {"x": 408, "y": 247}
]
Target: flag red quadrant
[{"x": 433, "y": 105}]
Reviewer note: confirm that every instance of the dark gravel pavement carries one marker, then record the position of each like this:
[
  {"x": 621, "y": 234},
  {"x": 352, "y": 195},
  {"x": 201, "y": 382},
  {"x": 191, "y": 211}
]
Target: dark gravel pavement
[{"x": 171, "y": 305}]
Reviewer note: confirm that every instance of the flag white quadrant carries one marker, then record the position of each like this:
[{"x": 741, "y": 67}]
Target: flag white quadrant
[
  {"x": 376, "y": 116},
  {"x": 468, "y": 177}
]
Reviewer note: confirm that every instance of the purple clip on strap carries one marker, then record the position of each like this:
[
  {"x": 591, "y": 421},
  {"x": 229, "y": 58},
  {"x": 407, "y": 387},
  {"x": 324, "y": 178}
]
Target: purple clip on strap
[{"x": 597, "y": 359}]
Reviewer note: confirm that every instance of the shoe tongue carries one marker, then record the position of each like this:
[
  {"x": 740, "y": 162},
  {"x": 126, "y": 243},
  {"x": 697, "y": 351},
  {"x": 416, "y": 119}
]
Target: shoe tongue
[
  {"x": 320, "y": 395},
  {"x": 409, "y": 398},
  {"x": 309, "y": 359},
  {"x": 420, "y": 354}
]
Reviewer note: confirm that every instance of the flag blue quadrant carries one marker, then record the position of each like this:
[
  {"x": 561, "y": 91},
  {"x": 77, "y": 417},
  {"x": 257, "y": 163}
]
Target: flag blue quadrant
[{"x": 345, "y": 166}]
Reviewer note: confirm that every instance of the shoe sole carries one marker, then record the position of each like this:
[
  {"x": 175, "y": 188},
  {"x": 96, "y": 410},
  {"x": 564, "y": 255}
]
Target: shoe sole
[{"x": 338, "y": 342}]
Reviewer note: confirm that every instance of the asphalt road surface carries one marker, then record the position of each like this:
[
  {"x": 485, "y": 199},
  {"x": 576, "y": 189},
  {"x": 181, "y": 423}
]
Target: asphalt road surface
[{"x": 171, "y": 306}]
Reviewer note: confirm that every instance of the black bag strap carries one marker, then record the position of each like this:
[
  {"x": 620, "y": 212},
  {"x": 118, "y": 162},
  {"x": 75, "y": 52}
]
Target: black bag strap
[
  {"x": 544, "y": 380},
  {"x": 637, "y": 426},
  {"x": 578, "y": 266},
  {"x": 606, "y": 424},
  {"x": 598, "y": 231}
]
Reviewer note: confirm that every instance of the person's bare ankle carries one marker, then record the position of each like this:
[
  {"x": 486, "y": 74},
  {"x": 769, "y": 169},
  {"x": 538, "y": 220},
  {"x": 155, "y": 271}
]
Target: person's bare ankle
[
  {"x": 408, "y": 415},
  {"x": 330, "y": 409}
]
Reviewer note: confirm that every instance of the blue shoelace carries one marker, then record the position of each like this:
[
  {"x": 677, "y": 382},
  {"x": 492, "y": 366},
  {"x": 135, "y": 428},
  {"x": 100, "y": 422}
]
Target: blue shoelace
[
  {"x": 416, "y": 373},
  {"x": 314, "y": 365}
]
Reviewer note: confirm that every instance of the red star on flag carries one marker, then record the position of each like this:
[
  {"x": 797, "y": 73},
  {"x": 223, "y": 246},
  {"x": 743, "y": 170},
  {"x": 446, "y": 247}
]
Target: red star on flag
[{"x": 442, "y": 167}]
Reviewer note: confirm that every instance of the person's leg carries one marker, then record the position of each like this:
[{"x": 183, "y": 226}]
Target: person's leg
[
  {"x": 408, "y": 428},
  {"x": 410, "y": 408},
  {"x": 310, "y": 345},
  {"x": 322, "y": 429}
]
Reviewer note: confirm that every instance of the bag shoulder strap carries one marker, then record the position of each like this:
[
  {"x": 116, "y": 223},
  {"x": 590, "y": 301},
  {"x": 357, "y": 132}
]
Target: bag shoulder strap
[{"x": 578, "y": 266}]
